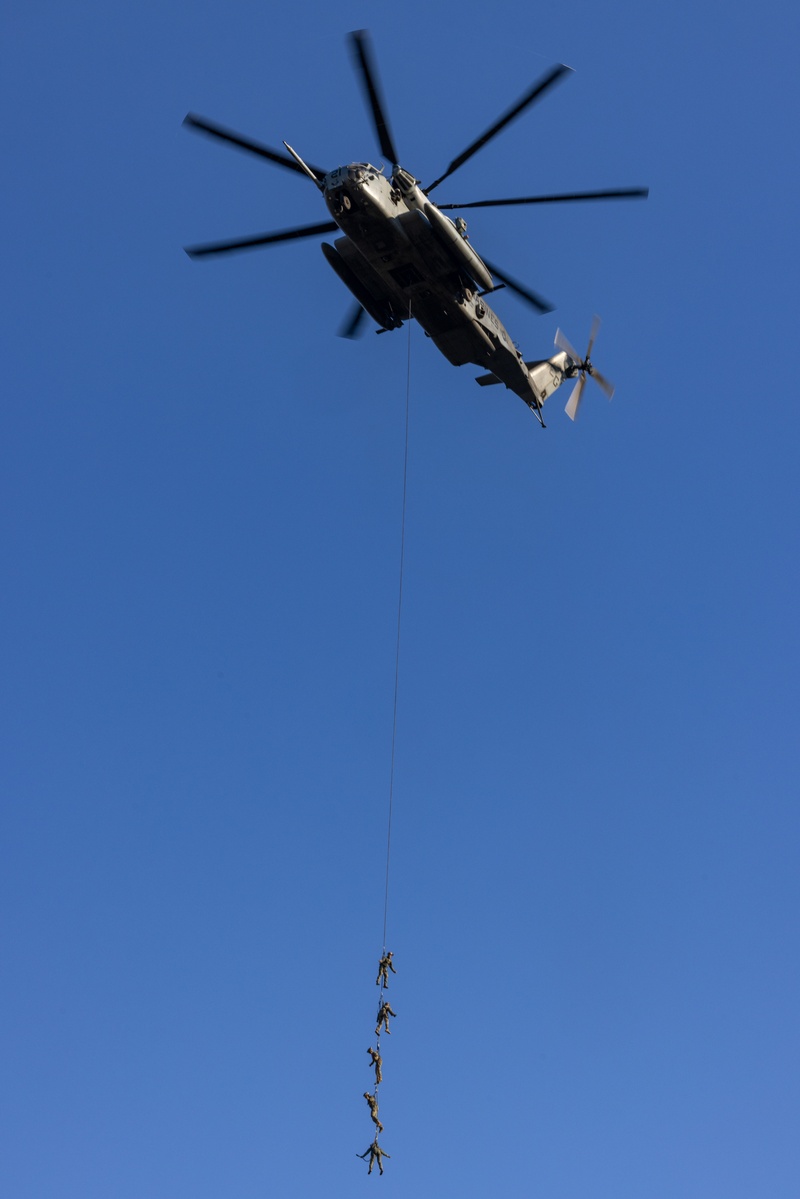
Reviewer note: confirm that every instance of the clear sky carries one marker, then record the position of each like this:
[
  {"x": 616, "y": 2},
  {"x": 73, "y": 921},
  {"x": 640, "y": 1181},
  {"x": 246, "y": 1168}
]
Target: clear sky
[{"x": 594, "y": 887}]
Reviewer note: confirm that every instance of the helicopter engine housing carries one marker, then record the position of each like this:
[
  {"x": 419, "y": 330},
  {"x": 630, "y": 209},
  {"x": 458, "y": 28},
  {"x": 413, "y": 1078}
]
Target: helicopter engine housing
[{"x": 459, "y": 249}]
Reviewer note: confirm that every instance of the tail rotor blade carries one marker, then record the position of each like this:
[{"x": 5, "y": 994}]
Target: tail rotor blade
[
  {"x": 604, "y": 383},
  {"x": 595, "y": 327},
  {"x": 585, "y": 368},
  {"x": 563, "y": 344},
  {"x": 575, "y": 399}
]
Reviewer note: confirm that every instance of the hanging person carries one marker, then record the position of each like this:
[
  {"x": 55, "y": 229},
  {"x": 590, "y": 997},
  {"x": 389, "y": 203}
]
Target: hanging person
[
  {"x": 375, "y": 1154},
  {"x": 384, "y": 1012},
  {"x": 377, "y": 1062},
  {"x": 373, "y": 1110},
  {"x": 384, "y": 966}
]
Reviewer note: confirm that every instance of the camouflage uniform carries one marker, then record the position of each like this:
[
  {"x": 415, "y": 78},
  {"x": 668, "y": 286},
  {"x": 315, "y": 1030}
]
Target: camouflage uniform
[
  {"x": 384, "y": 966},
  {"x": 384, "y": 1012},
  {"x": 373, "y": 1110},
  {"x": 377, "y": 1062},
  {"x": 375, "y": 1154}
]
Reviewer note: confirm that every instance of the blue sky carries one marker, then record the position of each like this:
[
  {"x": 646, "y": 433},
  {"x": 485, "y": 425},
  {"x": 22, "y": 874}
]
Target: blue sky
[{"x": 594, "y": 885}]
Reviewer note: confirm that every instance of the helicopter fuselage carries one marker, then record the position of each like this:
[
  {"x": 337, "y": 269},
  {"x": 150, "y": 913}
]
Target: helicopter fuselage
[{"x": 402, "y": 257}]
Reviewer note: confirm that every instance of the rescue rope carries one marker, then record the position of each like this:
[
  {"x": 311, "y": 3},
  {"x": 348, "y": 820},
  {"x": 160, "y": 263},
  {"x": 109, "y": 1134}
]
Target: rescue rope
[
  {"x": 374, "y": 1150},
  {"x": 397, "y": 645}
]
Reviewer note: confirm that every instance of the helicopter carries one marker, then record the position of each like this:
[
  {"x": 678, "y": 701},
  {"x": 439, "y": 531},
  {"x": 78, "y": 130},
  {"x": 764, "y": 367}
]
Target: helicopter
[{"x": 402, "y": 258}]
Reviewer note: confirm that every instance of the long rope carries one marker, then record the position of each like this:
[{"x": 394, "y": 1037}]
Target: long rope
[
  {"x": 384, "y": 1009},
  {"x": 397, "y": 647}
]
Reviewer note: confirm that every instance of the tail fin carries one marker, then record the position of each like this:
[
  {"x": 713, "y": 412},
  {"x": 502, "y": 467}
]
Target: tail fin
[
  {"x": 488, "y": 380},
  {"x": 548, "y": 375}
]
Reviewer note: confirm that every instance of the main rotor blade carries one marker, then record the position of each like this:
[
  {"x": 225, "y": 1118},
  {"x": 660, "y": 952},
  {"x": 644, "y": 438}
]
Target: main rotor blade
[
  {"x": 362, "y": 54},
  {"x": 530, "y": 297},
  {"x": 261, "y": 239},
  {"x": 352, "y": 326},
  {"x": 534, "y": 93},
  {"x": 246, "y": 143},
  {"x": 625, "y": 193},
  {"x": 574, "y": 400}
]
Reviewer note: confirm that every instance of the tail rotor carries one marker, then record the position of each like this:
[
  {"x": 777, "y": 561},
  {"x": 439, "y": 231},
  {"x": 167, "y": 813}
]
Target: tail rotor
[{"x": 582, "y": 367}]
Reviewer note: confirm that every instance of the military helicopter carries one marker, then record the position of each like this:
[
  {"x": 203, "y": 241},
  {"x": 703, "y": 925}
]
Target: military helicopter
[{"x": 402, "y": 258}]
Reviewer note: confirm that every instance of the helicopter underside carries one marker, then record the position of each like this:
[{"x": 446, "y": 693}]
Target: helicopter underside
[{"x": 397, "y": 266}]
